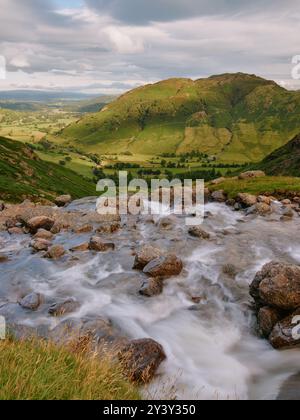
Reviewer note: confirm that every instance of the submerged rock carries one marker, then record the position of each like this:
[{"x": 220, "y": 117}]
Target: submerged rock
[
  {"x": 55, "y": 252},
  {"x": 82, "y": 247},
  {"x": 141, "y": 359},
  {"x": 62, "y": 308},
  {"x": 31, "y": 301},
  {"x": 146, "y": 254},
  {"x": 198, "y": 232},
  {"x": 165, "y": 266},
  {"x": 152, "y": 287}
]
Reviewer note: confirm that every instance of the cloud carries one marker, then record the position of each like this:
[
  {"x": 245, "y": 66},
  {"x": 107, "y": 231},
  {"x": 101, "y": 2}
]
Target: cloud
[
  {"x": 120, "y": 44},
  {"x": 144, "y": 11}
]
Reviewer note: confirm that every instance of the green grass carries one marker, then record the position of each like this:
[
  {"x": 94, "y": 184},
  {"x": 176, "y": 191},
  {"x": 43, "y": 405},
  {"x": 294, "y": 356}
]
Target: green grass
[
  {"x": 24, "y": 175},
  {"x": 236, "y": 117},
  {"x": 266, "y": 185},
  {"x": 38, "y": 370}
]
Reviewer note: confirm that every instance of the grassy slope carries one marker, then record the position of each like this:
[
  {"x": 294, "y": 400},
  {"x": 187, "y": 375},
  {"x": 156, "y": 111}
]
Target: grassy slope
[
  {"x": 237, "y": 117},
  {"x": 23, "y": 174},
  {"x": 266, "y": 185},
  {"x": 283, "y": 161},
  {"x": 32, "y": 370}
]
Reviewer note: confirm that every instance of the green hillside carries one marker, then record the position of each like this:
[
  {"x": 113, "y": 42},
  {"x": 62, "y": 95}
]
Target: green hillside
[
  {"x": 235, "y": 117},
  {"x": 283, "y": 161},
  {"x": 23, "y": 174}
]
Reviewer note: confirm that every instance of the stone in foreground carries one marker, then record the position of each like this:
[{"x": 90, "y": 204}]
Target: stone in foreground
[
  {"x": 286, "y": 334},
  {"x": 39, "y": 222},
  {"x": 31, "y": 301},
  {"x": 141, "y": 359},
  {"x": 96, "y": 244},
  {"x": 277, "y": 285}
]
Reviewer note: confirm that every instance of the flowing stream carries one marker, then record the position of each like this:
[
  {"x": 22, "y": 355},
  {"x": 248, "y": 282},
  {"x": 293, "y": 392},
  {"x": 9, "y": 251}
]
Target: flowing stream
[{"x": 203, "y": 318}]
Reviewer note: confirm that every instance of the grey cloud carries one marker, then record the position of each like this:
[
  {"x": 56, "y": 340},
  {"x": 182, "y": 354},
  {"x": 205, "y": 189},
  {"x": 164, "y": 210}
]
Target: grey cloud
[{"x": 144, "y": 11}]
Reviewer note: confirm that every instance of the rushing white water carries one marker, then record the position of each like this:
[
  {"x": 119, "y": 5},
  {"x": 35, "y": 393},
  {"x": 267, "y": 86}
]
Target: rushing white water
[{"x": 211, "y": 346}]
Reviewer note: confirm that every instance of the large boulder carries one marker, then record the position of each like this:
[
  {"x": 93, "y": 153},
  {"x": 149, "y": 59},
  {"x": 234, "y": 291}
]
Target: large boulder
[
  {"x": 145, "y": 255},
  {"x": 39, "y": 222},
  {"x": 165, "y": 266},
  {"x": 141, "y": 359},
  {"x": 252, "y": 174},
  {"x": 277, "y": 285},
  {"x": 96, "y": 244},
  {"x": 63, "y": 200},
  {"x": 286, "y": 334}
]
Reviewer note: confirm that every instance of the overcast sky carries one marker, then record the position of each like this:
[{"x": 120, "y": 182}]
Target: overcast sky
[{"x": 108, "y": 46}]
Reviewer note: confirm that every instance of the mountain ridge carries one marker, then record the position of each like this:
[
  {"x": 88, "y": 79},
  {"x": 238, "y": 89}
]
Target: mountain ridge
[{"x": 235, "y": 117}]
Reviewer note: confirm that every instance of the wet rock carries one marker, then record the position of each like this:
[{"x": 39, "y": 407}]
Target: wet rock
[
  {"x": 31, "y": 301},
  {"x": 231, "y": 202},
  {"x": 40, "y": 222},
  {"x": 40, "y": 245},
  {"x": 141, "y": 359},
  {"x": 81, "y": 248},
  {"x": 287, "y": 214},
  {"x": 15, "y": 231},
  {"x": 267, "y": 319},
  {"x": 166, "y": 223},
  {"x": 96, "y": 244},
  {"x": 252, "y": 174},
  {"x": 165, "y": 266},
  {"x": 43, "y": 234},
  {"x": 198, "y": 232},
  {"x": 247, "y": 200},
  {"x": 263, "y": 209},
  {"x": 63, "y": 200},
  {"x": 152, "y": 287},
  {"x": 65, "y": 307},
  {"x": 264, "y": 199},
  {"x": 219, "y": 196},
  {"x": 108, "y": 228},
  {"x": 146, "y": 254},
  {"x": 2, "y": 205},
  {"x": 83, "y": 229},
  {"x": 286, "y": 334},
  {"x": 277, "y": 285},
  {"x": 230, "y": 270},
  {"x": 55, "y": 252},
  {"x": 11, "y": 223}
]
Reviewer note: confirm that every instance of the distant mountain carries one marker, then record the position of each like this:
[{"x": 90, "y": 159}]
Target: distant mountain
[
  {"x": 23, "y": 174},
  {"x": 236, "y": 117},
  {"x": 43, "y": 96},
  {"x": 283, "y": 161}
]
